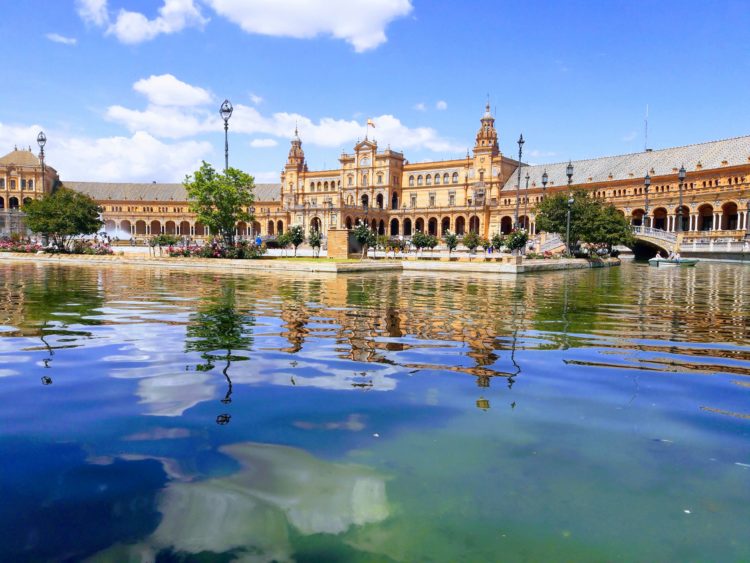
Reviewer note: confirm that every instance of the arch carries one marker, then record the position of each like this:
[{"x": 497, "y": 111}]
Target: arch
[
  {"x": 394, "y": 201},
  {"x": 729, "y": 216},
  {"x": 411, "y": 180},
  {"x": 280, "y": 227},
  {"x": 348, "y": 223},
  {"x": 255, "y": 229},
  {"x": 320, "y": 186},
  {"x": 636, "y": 217},
  {"x": 170, "y": 228},
  {"x": 420, "y": 180},
  {"x": 445, "y": 225},
  {"x": 407, "y": 227},
  {"x": 365, "y": 179},
  {"x": 312, "y": 186},
  {"x": 455, "y": 177},
  {"x": 460, "y": 225},
  {"x": 110, "y": 226},
  {"x": 350, "y": 199},
  {"x": 659, "y": 220},
  {"x": 365, "y": 200},
  {"x": 381, "y": 227},
  {"x": 446, "y": 178},
  {"x": 428, "y": 179},
  {"x": 437, "y": 179},
  {"x": 419, "y": 225},
  {"x": 374, "y": 225},
  {"x": 241, "y": 229},
  {"x": 523, "y": 221},
  {"x": 315, "y": 225},
  {"x": 2, "y": 203},
  {"x": 394, "y": 227},
  {"x": 270, "y": 228},
  {"x": 126, "y": 227},
  {"x": 200, "y": 229},
  {"x": 506, "y": 225},
  {"x": 432, "y": 226},
  {"x": 140, "y": 227},
  {"x": 155, "y": 227},
  {"x": 685, "y": 217},
  {"x": 13, "y": 203},
  {"x": 474, "y": 224},
  {"x": 705, "y": 217},
  {"x": 379, "y": 201},
  {"x": 325, "y": 186},
  {"x": 184, "y": 228}
]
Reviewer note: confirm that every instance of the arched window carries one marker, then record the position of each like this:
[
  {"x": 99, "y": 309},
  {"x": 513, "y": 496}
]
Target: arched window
[
  {"x": 428, "y": 179},
  {"x": 419, "y": 180},
  {"x": 31, "y": 184},
  {"x": 445, "y": 178},
  {"x": 455, "y": 177},
  {"x": 350, "y": 180},
  {"x": 437, "y": 179},
  {"x": 364, "y": 179},
  {"x": 380, "y": 178},
  {"x": 325, "y": 186},
  {"x": 411, "y": 180},
  {"x": 312, "y": 186}
]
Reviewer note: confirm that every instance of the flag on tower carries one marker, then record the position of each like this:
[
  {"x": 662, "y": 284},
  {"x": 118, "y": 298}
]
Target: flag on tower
[{"x": 371, "y": 123}]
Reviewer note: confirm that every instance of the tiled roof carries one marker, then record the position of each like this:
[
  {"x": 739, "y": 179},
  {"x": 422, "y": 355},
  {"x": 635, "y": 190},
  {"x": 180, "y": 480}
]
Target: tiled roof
[
  {"x": 713, "y": 154},
  {"x": 103, "y": 191},
  {"x": 20, "y": 158}
]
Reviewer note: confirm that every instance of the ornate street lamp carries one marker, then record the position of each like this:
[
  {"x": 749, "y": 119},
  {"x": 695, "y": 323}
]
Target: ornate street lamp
[
  {"x": 226, "y": 112},
  {"x": 681, "y": 175},
  {"x": 569, "y": 174},
  {"x": 646, "y": 186},
  {"x": 518, "y": 183},
  {"x": 41, "y": 139},
  {"x": 526, "y": 199},
  {"x": 545, "y": 179}
]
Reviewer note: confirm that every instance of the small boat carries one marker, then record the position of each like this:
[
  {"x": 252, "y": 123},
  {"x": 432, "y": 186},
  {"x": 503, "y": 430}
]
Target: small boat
[{"x": 672, "y": 262}]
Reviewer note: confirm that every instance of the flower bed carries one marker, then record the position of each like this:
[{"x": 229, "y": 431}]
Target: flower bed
[
  {"x": 241, "y": 250},
  {"x": 8, "y": 245}
]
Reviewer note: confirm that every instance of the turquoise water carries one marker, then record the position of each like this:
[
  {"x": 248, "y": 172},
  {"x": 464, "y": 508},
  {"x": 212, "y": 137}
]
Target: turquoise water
[{"x": 154, "y": 415}]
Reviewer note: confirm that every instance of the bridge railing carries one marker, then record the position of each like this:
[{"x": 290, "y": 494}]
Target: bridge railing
[
  {"x": 654, "y": 233},
  {"x": 553, "y": 241}
]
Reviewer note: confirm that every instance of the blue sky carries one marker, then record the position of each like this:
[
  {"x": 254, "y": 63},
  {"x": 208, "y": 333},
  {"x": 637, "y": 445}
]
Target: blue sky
[{"x": 130, "y": 90}]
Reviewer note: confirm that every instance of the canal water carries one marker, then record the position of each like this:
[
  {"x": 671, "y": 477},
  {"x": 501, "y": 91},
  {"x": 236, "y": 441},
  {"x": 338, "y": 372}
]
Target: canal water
[{"x": 157, "y": 415}]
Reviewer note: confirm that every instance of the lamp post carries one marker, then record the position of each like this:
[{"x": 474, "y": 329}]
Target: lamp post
[
  {"x": 518, "y": 182},
  {"x": 226, "y": 113},
  {"x": 569, "y": 174},
  {"x": 681, "y": 176},
  {"x": 41, "y": 139},
  {"x": 545, "y": 179},
  {"x": 526, "y": 199},
  {"x": 646, "y": 186}
]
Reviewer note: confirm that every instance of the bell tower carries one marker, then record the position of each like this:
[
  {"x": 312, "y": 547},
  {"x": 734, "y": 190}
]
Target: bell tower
[{"x": 486, "y": 142}]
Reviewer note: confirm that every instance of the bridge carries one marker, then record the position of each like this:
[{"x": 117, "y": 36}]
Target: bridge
[{"x": 649, "y": 240}]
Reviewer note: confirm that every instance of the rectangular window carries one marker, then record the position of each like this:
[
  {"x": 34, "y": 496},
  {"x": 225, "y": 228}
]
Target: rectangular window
[
  {"x": 413, "y": 200},
  {"x": 432, "y": 200},
  {"x": 12, "y": 184},
  {"x": 452, "y": 199},
  {"x": 2, "y": 182},
  {"x": 23, "y": 184}
]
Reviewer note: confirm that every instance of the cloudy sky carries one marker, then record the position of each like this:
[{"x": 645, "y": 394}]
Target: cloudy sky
[{"x": 129, "y": 90}]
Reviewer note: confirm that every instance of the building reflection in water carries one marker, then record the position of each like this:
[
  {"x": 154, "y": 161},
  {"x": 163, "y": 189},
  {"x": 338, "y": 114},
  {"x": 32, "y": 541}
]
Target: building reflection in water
[{"x": 476, "y": 326}]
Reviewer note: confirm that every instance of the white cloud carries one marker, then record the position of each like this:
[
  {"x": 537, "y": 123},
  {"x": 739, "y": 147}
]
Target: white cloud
[
  {"x": 441, "y": 105},
  {"x": 165, "y": 122},
  {"x": 255, "y": 98},
  {"x": 263, "y": 143},
  {"x": 174, "y": 16},
  {"x": 140, "y": 157},
  {"x": 57, "y": 38},
  {"x": 420, "y": 106},
  {"x": 166, "y": 90},
  {"x": 93, "y": 12},
  {"x": 361, "y": 23},
  {"x": 630, "y": 136}
]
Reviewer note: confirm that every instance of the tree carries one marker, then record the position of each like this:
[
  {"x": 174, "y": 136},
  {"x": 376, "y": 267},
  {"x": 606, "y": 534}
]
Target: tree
[
  {"x": 432, "y": 241},
  {"x": 419, "y": 240},
  {"x": 364, "y": 236},
  {"x": 314, "y": 240},
  {"x": 219, "y": 200},
  {"x": 497, "y": 241},
  {"x": 471, "y": 241},
  {"x": 517, "y": 239},
  {"x": 296, "y": 236},
  {"x": 591, "y": 220},
  {"x": 451, "y": 241},
  {"x": 63, "y": 214},
  {"x": 283, "y": 240}
]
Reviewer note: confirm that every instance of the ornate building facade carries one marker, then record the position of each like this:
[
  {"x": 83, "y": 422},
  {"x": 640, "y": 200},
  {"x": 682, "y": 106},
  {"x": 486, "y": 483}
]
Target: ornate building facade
[{"x": 479, "y": 192}]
